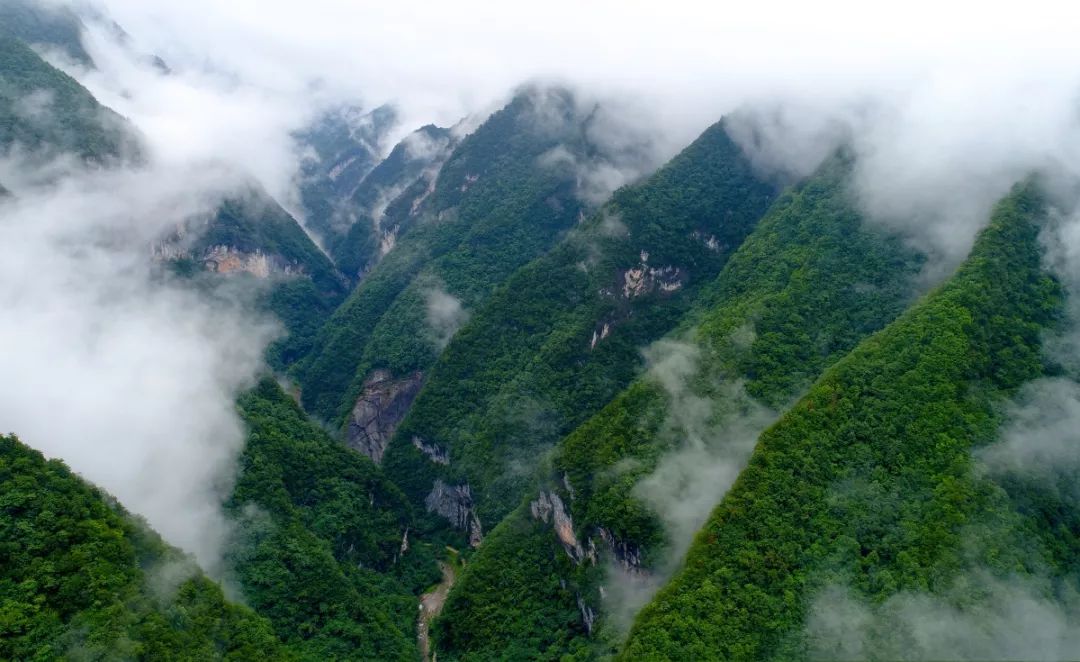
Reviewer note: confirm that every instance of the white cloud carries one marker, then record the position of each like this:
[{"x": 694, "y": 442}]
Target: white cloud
[{"x": 126, "y": 375}]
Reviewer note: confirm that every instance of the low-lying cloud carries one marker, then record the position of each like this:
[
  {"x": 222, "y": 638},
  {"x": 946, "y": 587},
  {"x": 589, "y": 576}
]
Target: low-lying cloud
[{"x": 111, "y": 365}]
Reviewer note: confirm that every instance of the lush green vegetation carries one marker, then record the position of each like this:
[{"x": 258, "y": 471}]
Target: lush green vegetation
[
  {"x": 82, "y": 579},
  {"x": 493, "y": 209},
  {"x": 38, "y": 23},
  {"x": 804, "y": 288},
  {"x": 44, "y": 110},
  {"x": 255, "y": 222},
  {"x": 302, "y": 310},
  {"x": 868, "y": 481},
  {"x": 301, "y": 300},
  {"x": 524, "y": 371},
  {"x": 319, "y": 547}
]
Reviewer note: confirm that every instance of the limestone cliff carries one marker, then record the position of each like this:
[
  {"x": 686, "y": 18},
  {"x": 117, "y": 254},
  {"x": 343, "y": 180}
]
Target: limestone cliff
[{"x": 381, "y": 406}]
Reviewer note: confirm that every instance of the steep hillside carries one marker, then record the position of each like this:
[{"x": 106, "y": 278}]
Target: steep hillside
[
  {"x": 409, "y": 172},
  {"x": 46, "y": 25},
  {"x": 867, "y": 482},
  {"x": 251, "y": 236},
  {"x": 45, "y": 112},
  {"x": 82, "y": 579},
  {"x": 800, "y": 291},
  {"x": 495, "y": 206},
  {"x": 561, "y": 337},
  {"x": 252, "y": 233},
  {"x": 322, "y": 548},
  {"x": 340, "y": 148}
]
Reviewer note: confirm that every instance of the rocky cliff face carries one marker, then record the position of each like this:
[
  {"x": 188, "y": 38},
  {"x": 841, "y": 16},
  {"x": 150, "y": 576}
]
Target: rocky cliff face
[
  {"x": 549, "y": 507},
  {"x": 226, "y": 259},
  {"x": 455, "y": 504},
  {"x": 381, "y": 406},
  {"x": 435, "y": 453}
]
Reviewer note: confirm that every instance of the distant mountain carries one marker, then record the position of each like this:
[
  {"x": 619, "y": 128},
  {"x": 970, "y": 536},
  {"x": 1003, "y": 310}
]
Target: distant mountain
[
  {"x": 387, "y": 198},
  {"x": 46, "y": 113},
  {"x": 338, "y": 151},
  {"x": 45, "y": 24},
  {"x": 82, "y": 578},
  {"x": 495, "y": 206},
  {"x": 563, "y": 334},
  {"x": 251, "y": 236}
]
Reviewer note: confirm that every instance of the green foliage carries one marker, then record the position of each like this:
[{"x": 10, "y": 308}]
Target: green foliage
[
  {"x": 38, "y": 23},
  {"x": 255, "y": 222},
  {"x": 358, "y": 250},
  {"x": 524, "y": 372},
  {"x": 82, "y": 579},
  {"x": 493, "y": 209},
  {"x": 867, "y": 480},
  {"x": 319, "y": 546},
  {"x": 302, "y": 310},
  {"x": 809, "y": 270},
  {"x": 526, "y": 615},
  {"x": 44, "y": 110}
]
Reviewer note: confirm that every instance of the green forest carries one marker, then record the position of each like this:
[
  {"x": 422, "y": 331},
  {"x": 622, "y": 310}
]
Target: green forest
[{"x": 724, "y": 411}]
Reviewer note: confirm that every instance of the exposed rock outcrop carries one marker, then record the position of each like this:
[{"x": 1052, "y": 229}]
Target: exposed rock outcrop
[
  {"x": 600, "y": 334},
  {"x": 549, "y": 507},
  {"x": 224, "y": 259},
  {"x": 455, "y": 504},
  {"x": 435, "y": 453},
  {"x": 381, "y": 406},
  {"x": 227, "y": 260},
  {"x": 628, "y": 556},
  {"x": 587, "y": 614},
  {"x": 644, "y": 279}
]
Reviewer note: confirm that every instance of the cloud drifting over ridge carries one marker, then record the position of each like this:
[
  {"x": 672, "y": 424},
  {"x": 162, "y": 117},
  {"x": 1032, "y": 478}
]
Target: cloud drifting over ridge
[
  {"x": 127, "y": 375},
  {"x": 955, "y": 100}
]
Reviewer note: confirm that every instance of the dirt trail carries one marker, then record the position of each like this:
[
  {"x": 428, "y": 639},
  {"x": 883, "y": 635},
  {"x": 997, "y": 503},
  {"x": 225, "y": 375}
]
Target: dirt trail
[{"x": 431, "y": 605}]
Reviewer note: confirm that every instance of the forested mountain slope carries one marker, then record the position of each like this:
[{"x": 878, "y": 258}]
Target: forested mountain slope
[
  {"x": 322, "y": 547},
  {"x": 51, "y": 26},
  {"x": 46, "y": 113},
  {"x": 868, "y": 481},
  {"x": 562, "y": 336},
  {"x": 495, "y": 206},
  {"x": 383, "y": 204},
  {"x": 807, "y": 284},
  {"x": 82, "y": 579},
  {"x": 251, "y": 236}
]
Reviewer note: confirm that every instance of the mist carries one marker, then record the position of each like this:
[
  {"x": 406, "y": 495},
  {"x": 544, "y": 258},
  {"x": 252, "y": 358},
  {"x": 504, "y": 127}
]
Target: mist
[
  {"x": 710, "y": 436},
  {"x": 1011, "y": 619},
  {"x": 131, "y": 378},
  {"x": 127, "y": 375}
]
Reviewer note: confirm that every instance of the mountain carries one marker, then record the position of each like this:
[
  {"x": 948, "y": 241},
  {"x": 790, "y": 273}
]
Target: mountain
[
  {"x": 322, "y": 547},
  {"x": 384, "y": 202},
  {"x": 494, "y": 207},
  {"x": 46, "y": 113},
  {"x": 869, "y": 481},
  {"x": 805, "y": 286},
  {"x": 562, "y": 335},
  {"x": 45, "y": 25},
  {"x": 339, "y": 149},
  {"x": 251, "y": 236},
  {"x": 82, "y": 578}
]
